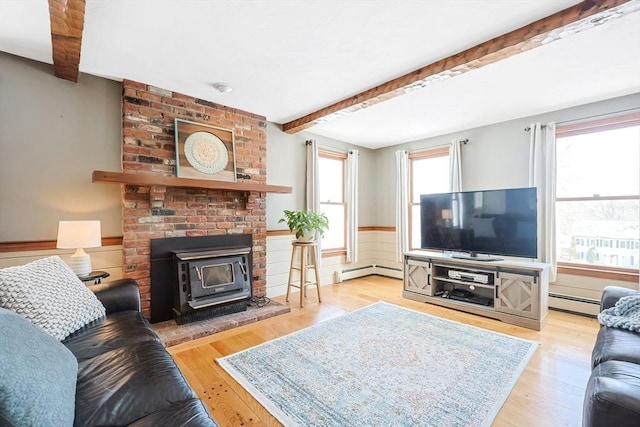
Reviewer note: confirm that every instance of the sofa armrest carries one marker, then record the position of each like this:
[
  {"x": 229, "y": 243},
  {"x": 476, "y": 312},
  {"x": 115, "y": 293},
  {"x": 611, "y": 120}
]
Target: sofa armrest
[
  {"x": 118, "y": 295},
  {"x": 612, "y": 294}
]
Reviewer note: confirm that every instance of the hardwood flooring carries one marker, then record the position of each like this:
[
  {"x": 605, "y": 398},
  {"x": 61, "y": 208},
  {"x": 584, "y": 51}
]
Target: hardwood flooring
[{"x": 549, "y": 392}]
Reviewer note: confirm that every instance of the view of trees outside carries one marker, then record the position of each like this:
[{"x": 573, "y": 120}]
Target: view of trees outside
[
  {"x": 428, "y": 176},
  {"x": 331, "y": 172},
  {"x": 600, "y": 173}
]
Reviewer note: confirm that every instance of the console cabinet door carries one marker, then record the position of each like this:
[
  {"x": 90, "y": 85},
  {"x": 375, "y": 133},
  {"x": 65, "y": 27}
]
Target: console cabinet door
[
  {"x": 417, "y": 277},
  {"x": 517, "y": 294}
]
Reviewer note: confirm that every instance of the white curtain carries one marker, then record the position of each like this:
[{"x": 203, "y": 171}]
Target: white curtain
[
  {"x": 542, "y": 175},
  {"x": 352, "y": 206},
  {"x": 312, "y": 198},
  {"x": 312, "y": 195},
  {"x": 455, "y": 169},
  {"x": 402, "y": 203}
]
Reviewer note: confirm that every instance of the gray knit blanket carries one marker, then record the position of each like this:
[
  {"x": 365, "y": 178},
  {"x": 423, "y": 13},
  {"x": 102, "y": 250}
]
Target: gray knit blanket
[{"x": 624, "y": 315}]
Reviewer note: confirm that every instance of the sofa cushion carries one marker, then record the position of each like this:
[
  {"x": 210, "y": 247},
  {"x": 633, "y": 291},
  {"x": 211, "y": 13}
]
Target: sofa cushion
[
  {"x": 188, "y": 413},
  {"x": 117, "y": 330},
  {"x": 616, "y": 344},
  {"x": 612, "y": 397},
  {"x": 37, "y": 375},
  {"x": 123, "y": 385},
  {"x": 48, "y": 293}
]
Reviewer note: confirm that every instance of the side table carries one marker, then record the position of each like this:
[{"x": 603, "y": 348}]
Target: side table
[{"x": 96, "y": 276}]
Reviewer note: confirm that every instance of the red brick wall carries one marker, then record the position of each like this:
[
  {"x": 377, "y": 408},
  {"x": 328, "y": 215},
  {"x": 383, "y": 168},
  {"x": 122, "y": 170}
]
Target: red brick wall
[{"x": 159, "y": 211}]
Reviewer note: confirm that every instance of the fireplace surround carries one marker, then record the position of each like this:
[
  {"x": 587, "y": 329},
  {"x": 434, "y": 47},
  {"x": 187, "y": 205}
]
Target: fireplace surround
[{"x": 167, "y": 210}]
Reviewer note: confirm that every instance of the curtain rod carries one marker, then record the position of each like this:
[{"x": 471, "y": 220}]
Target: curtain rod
[{"x": 602, "y": 116}]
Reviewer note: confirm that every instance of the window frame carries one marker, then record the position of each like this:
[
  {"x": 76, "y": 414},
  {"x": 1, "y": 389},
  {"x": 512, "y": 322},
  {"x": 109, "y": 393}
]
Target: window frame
[
  {"x": 335, "y": 155},
  {"x": 429, "y": 153},
  {"x": 587, "y": 126}
]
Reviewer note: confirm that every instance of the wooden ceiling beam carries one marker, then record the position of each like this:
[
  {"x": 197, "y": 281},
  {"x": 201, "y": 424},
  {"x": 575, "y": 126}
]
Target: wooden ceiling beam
[
  {"x": 554, "y": 27},
  {"x": 67, "y": 22}
]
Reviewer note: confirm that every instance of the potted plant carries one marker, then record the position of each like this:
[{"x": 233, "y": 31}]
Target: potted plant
[{"x": 306, "y": 224}]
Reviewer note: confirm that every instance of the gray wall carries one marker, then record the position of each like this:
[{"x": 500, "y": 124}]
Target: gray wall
[
  {"x": 497, "y": 156},
  {"x": 286, "y": 156},
  {"x": 53, "y": 135}
]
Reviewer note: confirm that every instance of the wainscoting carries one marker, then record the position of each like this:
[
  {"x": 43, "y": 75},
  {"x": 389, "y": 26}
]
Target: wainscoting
[
  {"x": 376, "y": 255},
  {"x": 104, "y": 258}
]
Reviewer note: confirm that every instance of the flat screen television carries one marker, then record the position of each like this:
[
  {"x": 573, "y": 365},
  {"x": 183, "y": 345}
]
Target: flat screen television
[{"x": 494, "y": 222}]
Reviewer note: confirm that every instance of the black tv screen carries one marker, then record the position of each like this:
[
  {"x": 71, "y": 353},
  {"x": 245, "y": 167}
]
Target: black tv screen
[{"x": 493, "y": 222}]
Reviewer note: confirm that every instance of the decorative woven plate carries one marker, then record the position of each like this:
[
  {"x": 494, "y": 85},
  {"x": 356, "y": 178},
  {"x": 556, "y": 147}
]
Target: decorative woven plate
[{"x": 206, "y": 152}]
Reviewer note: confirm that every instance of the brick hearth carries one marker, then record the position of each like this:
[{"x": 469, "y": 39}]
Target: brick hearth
[
  {"x": 151, "y": 212},
  {"x": 172, "y": 334}
]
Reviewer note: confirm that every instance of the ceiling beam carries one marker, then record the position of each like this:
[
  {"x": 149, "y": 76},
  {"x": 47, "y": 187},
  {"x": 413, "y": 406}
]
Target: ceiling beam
[
  {"x": 67, "y": 22},
  {"x": 575, "y": 19}
]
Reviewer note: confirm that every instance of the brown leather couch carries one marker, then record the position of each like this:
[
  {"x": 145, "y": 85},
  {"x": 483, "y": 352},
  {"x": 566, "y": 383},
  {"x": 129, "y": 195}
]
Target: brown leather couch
[
  {"x": 125, "y": 376},
  {"x": 612, "y": 397}
]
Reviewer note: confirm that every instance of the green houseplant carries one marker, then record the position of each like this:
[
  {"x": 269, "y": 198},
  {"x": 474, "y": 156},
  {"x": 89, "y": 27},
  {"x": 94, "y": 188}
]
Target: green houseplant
[{"x": 306, "y": 224}]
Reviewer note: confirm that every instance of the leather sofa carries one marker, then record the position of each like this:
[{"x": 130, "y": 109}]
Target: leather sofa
[
  {"x": 612, "y": 397},
  {"x": 125, "y": 376}
]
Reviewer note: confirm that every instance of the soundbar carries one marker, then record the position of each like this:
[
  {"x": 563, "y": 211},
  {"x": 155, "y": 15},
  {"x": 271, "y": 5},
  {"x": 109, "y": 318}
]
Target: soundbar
[{"x": 467, "y": 276}]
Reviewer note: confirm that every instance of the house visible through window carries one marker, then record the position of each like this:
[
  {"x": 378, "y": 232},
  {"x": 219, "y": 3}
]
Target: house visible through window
[
  {"x": 331, "y": 167},
  {"x": 598, "y": 193},
  {"x": 429, "y": 174}
]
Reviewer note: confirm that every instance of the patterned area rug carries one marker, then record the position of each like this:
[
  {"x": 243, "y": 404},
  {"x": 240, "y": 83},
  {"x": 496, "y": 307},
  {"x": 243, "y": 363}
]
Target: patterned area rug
[{"x": 383, "y": 365}]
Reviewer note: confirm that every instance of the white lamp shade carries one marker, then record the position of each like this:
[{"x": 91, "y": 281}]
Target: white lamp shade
[
  {"x": 447, "y": 214},
  {"x": 79, "y": 234}
]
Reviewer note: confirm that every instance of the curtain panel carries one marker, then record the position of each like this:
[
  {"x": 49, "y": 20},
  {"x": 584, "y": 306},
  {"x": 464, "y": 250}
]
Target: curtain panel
[
  {"x": 542, "y": 175},
  {"x": 455, "y": 166},
  {"x": 352, "y": 206},
  {"x": 402, "y": 204}
]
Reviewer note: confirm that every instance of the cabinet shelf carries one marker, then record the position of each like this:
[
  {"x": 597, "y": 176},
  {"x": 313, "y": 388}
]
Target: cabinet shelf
[
  {"x": 143, "y": 179},
  {"x": 462, "y": 282}
]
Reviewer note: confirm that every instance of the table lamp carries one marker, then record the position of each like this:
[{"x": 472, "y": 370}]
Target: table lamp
[{"x": 79, "y": 235}]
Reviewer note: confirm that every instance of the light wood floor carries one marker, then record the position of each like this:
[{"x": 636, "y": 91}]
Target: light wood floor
[{"x": 549, "y": 392}]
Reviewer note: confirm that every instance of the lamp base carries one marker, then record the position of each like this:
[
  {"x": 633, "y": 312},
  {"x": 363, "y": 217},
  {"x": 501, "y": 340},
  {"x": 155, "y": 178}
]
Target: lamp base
[{"x": 80, "y": 263}]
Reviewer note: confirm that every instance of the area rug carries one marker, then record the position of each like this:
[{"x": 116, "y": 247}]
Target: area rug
[{"x": 383, "y": 365}]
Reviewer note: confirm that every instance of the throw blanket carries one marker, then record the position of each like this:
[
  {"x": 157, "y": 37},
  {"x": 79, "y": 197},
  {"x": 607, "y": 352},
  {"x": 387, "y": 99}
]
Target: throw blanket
[{"x": 624, "y": 315}]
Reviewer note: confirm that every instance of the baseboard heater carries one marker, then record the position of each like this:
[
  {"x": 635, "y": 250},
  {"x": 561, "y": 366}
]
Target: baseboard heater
[
  {"x": 576, "y": 299},
  {"x": 366, "y": 270},
  {"x": 576, "y": 305}
]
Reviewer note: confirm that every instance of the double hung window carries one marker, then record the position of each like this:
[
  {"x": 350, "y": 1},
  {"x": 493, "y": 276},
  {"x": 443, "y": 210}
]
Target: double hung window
[
  {"x": 332, "y": 166},
  {"x": 598, "y": 195}
]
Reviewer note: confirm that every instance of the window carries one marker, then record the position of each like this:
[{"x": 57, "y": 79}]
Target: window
[
  {"x": 429, "y": 174},
  {"x": 598, "y": 194},
  {"x": 331, "y": 168}
]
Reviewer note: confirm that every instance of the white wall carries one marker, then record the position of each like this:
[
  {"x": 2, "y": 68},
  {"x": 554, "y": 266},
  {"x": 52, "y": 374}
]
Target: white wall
[{"x": 53, "y": 135}]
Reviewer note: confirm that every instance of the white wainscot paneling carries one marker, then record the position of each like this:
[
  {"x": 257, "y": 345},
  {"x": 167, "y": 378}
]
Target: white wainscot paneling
[
  {"x": 376, "y": 255},
  {"x": 105, "y": 258}
]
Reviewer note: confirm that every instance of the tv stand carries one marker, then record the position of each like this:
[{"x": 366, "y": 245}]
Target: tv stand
[{"x": 514, "y": 292}]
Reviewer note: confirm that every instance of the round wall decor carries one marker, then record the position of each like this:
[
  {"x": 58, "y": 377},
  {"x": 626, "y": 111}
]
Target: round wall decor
[{"x": 206, "y": 152}]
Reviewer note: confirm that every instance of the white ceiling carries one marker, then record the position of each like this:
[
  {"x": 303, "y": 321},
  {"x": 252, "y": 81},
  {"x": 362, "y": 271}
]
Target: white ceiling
[{"x": 285, "y": 59}]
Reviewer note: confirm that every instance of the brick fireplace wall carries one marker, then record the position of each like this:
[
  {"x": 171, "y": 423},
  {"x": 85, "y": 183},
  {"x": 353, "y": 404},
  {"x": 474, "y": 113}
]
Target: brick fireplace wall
[{"x": 158, "y": 211}]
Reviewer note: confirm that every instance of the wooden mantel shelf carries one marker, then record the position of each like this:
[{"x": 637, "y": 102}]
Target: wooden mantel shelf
[{"x": 172, "y": 181}]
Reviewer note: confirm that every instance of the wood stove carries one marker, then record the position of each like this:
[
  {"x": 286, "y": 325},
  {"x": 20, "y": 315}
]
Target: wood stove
[
  {"x": 196, "y": 278},
  {"x": 208, "y": 278}
]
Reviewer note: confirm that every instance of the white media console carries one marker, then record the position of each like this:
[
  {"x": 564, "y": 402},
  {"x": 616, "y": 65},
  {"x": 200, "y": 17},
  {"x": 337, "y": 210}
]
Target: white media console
[{"x": 515, "y": 292}]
